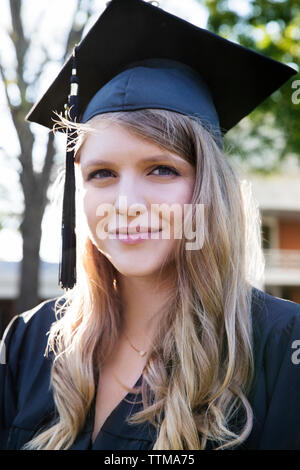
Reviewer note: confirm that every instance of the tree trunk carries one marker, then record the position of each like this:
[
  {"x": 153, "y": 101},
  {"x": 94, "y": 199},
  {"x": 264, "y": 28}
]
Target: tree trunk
[
  {"x": 29, "y": 270},
  {"x": 35, "y": 187}
]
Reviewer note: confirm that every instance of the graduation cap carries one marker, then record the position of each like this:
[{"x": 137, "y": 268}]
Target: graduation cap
[{"x": 138, "y": 56}]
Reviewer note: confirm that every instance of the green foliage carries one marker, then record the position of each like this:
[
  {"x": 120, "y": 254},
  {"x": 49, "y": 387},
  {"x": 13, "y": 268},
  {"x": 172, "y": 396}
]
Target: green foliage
[{"x": 271, "y": 27}]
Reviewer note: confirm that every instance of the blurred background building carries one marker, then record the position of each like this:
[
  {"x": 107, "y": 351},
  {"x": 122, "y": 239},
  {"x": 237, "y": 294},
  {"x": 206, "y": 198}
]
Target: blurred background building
[{"x": 279, "y": 200}]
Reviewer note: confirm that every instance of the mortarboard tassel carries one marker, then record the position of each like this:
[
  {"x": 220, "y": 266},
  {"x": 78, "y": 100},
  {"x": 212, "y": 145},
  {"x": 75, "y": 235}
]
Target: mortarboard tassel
[{"x": 67, "y": 265}]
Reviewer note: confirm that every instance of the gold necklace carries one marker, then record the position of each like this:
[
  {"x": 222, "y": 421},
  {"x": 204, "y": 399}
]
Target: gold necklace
[{"x": 141, "y": 353}]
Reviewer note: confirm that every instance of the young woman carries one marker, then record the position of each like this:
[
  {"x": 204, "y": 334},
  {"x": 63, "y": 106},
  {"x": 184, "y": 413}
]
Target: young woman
[{"x": 213, "y": 360}]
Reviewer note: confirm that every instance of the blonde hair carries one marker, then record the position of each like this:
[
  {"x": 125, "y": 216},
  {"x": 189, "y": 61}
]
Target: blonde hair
[{"x": 201, "y": 365}]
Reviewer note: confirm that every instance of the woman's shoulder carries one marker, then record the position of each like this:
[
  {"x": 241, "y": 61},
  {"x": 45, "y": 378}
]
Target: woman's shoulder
[
  {"x": 271, "y": 315},
  {"x": 275, "y": 391},
  {"x": 29, "y": 328},
  {"x": 276, "y": 337},
  {"x": 25, "y": 371}
]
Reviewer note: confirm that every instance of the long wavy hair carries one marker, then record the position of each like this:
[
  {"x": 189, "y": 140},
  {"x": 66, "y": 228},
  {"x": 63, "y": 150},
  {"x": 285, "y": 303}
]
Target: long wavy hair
[{"x": 201, "y": 365}]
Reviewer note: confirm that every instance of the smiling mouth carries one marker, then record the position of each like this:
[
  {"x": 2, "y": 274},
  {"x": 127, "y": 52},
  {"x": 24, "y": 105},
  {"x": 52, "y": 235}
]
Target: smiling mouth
[
  {"x": 135, "y": 237},
  {"x": 124, "y": 231}
]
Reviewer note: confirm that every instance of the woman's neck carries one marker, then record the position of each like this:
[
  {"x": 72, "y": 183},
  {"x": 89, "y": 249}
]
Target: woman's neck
[{"x": 142, "y": 301}]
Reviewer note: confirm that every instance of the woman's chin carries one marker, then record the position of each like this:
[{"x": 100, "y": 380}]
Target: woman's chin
[
  {"x": 137, "y": 261},
  {"x": 136, "y": 271}
]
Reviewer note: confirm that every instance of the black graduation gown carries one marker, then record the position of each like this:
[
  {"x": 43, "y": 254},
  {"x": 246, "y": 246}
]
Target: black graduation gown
[{"x": 27, "y": 403}]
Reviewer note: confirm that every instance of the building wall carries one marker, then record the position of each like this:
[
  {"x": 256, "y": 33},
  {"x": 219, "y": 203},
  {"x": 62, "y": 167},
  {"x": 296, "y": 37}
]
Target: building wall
[
  {"x": 289, "y": 235},
  {"x": 291, "y": 293},
  {"x": 282, "y": 234}
]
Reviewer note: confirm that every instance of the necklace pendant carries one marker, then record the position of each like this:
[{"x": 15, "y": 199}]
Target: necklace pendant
[{"x": 142, "y": 353}]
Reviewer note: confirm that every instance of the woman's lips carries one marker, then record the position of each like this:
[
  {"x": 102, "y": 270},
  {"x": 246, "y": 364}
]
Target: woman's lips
[{"x": 135, "y": 237}]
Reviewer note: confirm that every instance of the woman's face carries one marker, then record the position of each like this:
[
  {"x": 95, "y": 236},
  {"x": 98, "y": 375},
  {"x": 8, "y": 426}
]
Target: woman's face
[{"x": 125, "y": 179}]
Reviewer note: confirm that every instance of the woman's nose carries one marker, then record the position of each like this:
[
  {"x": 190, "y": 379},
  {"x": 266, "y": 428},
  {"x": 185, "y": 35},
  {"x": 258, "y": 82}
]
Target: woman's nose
[
  {"x": 129, "y": 205},
  {"x": 129, "y": 199}
]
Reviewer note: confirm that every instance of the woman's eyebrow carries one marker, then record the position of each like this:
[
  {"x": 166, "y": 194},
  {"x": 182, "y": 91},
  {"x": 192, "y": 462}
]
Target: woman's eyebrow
[{"x": 153, "y": 158}]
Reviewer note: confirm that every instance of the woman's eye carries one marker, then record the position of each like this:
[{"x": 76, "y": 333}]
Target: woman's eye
[
  {"x": 94, "y": 173},
  {"x": 104, "y": 173},
  {"x": 166, "y": 168}
]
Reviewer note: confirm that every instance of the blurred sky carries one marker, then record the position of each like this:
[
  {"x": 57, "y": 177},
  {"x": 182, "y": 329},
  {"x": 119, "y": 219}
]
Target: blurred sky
[{"x": 47, "y": 23}]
